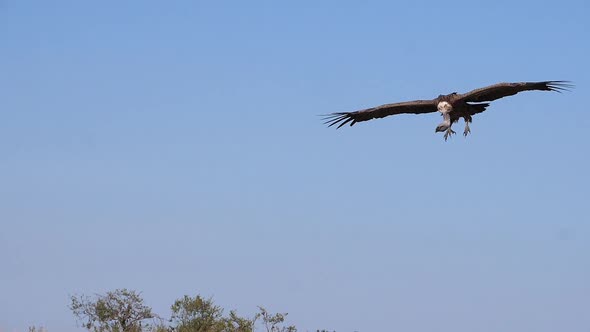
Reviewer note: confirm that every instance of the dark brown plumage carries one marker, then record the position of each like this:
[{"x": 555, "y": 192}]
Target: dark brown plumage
[
  {"x": 408, "y": 107},
  {"x": 452, "y": 106}
]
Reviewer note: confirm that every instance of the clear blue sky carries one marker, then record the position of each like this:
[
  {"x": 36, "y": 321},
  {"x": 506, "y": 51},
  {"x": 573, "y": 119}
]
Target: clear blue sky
[{"x": 174, "y": 148}]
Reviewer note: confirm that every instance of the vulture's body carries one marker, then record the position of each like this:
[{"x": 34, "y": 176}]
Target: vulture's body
[{"x": 452, "y": 107}]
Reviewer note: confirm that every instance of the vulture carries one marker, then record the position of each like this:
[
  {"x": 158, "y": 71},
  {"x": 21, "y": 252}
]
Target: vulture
[{"x": 452, "y": 107}]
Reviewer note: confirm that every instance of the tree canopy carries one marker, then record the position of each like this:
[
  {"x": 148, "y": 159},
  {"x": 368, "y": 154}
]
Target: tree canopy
[{"x": 124, "y": 310}]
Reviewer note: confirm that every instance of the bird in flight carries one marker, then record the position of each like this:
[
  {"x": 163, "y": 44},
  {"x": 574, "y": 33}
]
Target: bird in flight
[{"x": 452, "y": 107}]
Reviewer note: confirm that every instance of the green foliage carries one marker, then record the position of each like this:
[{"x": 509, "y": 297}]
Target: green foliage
[
  {"x": 273, "y": 323},
  {"x": 234, "y": 323},
  {"x": 118, "y": 311},
  {"x": 160, "y": 328},
  {"x": 123, "y": 311},
  {"x": 196, "y": 314}
]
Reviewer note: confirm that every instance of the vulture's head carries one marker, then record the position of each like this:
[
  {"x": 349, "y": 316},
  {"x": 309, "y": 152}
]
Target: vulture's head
[{"x": 442, "y": 127}]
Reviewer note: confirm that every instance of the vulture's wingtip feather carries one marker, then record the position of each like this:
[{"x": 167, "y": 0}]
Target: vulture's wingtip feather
[
  {"x": 559, "y": 86},
  {"x": 340, "y": 118}
]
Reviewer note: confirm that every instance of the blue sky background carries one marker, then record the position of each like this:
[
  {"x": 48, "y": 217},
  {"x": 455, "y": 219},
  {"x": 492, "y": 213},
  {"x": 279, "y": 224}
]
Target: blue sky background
[{"x": 174, "y": 148}]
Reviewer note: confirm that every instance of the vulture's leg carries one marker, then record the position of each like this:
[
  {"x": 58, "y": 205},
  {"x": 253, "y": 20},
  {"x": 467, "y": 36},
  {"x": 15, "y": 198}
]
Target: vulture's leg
[
  {"x": 467, "y": 130},
  {"x": 448, "y": 133},
  {"x": 467, "y": 121}
]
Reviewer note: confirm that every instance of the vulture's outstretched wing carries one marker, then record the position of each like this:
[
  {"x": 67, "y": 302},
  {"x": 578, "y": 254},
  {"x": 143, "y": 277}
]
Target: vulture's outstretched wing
[
  {"x": 501, "y": 90},
  {"x": 408, "y": 107}
]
